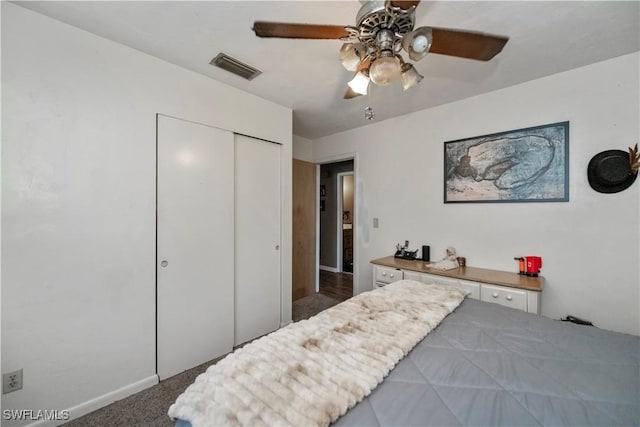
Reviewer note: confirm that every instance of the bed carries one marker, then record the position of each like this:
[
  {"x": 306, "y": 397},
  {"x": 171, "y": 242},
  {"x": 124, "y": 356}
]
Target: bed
[{"x": 480, "y": 364}]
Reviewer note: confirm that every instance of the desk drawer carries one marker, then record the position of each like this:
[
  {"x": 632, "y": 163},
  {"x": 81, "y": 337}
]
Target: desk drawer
[
  {"x": 508, "y": 297},
  {"x": 387, "y": 275},
  {"x": 431, "y": 278}
]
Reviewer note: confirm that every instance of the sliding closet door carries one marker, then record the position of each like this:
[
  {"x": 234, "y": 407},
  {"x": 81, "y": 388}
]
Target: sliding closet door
[
  {"x": 257, "y": 261},
  {"x": 195, "y": 221}
]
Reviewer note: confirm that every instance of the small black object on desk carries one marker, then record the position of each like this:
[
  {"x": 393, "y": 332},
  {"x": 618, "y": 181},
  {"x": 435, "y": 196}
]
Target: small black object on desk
[
  {"x": 410, "y": 255},
  {"x": 425, "y": 253}
]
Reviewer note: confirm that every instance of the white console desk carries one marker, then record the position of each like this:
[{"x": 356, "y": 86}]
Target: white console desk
[{"x": 500, "y": 287}]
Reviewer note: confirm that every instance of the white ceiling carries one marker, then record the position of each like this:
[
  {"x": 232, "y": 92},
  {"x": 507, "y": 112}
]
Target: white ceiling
[{"x": 306, "y": 75}]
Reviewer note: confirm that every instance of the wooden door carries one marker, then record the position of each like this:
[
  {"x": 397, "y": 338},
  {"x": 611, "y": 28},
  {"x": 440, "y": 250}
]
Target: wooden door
[
  {"x": 304, "y": 228},
  {"x": 257, "y": 238},
  {"x": 194, "y": 262}
]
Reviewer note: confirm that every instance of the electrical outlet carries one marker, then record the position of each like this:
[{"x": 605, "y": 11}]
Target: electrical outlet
[{"x": 11, "y": 381}]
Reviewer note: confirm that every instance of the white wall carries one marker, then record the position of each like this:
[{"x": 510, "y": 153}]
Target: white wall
[
  {"x": 302, "y": 148},
  {"x": 590, "y": 245},
  {"x": 78, "y": 204}
]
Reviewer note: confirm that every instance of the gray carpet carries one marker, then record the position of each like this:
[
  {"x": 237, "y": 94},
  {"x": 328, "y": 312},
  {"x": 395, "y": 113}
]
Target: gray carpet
[
  {"x": 311, "y": 305},
  {"x": 148, "y": 408}
]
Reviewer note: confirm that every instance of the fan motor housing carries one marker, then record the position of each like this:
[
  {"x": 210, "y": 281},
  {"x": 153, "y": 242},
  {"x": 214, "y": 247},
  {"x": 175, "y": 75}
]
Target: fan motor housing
[{"x": 373, "y": 16}]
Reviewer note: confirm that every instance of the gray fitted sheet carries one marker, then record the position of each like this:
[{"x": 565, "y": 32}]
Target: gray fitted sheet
[{"x": 489, "y": 365}]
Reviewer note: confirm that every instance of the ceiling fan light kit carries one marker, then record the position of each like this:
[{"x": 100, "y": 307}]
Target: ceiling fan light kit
[
  {"x": 417, "y": 43},
  {"x": 350, "y": 93},
  {"x": 410, "y": 76},
  {"x": 383, "y": 30},
  {"x": 385, "y": 68},
  {"x": 360, "y": 82},
  {"x": 351, "y": 54}
]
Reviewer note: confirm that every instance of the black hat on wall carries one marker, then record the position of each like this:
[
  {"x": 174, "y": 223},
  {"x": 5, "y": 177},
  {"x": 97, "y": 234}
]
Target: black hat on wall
[{"x": 610, "y": 171}]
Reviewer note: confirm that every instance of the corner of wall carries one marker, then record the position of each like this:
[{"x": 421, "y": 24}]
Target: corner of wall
[{"x": 302, "y": 148}]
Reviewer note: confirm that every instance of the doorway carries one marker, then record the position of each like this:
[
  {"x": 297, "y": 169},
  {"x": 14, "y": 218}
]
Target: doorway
[
  {"x": 336, "y": 226},
  {"x": 318, "y": 247},
  {"x": 345, "y": 222}
]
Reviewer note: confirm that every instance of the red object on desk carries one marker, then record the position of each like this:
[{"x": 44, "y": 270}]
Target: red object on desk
[{"x": 533, "y": 264}]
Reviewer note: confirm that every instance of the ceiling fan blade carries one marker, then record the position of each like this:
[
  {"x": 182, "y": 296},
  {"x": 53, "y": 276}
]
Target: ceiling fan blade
[
  {"x": 298, "y": 31},
  {"x": 466, "y": 44},
  {"x": 404, "y": 4}
]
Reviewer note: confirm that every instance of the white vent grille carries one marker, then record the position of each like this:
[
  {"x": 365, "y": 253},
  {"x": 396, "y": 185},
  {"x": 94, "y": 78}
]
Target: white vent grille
[{"x": 234, "y": 66}]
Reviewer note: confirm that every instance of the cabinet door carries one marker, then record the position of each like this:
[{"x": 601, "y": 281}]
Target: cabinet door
[
  {"x": 194, "y": 244},
  {"x": 411, "y": 275},
  {"x": 257, "y": 238},
  {"x": 472, "y": 287},
  {"x": 509, "y": 297}
]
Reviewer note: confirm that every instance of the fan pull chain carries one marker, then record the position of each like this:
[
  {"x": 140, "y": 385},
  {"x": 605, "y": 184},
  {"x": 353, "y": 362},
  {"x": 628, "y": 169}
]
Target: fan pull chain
[{"x": 369, "y": 114}]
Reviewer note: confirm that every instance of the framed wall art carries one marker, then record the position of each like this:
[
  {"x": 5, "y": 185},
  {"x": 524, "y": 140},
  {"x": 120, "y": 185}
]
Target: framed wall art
[{"x": 523, "y": 165}]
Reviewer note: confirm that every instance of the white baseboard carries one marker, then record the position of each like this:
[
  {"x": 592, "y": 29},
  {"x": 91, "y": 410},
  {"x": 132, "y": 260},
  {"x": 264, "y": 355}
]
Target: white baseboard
[
  {"x": 331, "y": 269},
  {"x": 102, "y": 401}
]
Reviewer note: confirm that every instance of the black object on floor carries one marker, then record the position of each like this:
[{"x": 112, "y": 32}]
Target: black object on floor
[{"x": 577, "y": 320}]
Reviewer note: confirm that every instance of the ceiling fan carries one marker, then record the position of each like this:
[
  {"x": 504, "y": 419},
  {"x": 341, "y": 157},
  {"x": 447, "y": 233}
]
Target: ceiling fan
[{"x": 384, "y": 29}]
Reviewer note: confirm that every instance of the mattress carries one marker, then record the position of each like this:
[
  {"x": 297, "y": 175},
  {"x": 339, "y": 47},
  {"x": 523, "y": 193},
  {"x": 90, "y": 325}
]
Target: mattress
[{"x": 489, "y": 365}]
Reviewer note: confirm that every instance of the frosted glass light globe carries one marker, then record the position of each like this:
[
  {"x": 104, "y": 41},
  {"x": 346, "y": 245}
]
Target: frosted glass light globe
[
  {"x": 420, "y": 43},
  {"x": 384, "y": 70}
]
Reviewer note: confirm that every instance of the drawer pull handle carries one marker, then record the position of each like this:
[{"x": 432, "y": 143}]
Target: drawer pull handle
[
  {"x": 509, "y": 297},
  {"x": 384, "y": 274},
  {"x": 495, "y": 295},
  {"x": 391, "y": 275}
]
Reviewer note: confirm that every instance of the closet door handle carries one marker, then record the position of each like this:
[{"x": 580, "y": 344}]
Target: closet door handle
[
  {"x": 164, "y": 263},
  {"x": 277, "y": 247}
]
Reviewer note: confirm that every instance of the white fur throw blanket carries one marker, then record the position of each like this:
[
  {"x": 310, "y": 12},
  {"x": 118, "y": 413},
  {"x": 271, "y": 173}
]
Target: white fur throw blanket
[{"x": 311, "y": 372}]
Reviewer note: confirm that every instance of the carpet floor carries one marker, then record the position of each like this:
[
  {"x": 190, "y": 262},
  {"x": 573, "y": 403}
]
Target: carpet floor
[{"x": 148, "y": 408}]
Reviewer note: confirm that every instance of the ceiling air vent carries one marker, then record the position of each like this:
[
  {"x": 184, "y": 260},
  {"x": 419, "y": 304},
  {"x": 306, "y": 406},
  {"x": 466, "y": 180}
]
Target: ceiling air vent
[{"x": 234, "y": 66}]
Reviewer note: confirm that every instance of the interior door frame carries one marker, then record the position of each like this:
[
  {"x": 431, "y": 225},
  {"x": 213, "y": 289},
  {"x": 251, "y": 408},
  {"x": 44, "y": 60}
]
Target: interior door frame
[
  {"x": 317, "y": 263},
  {"x": 356, "y": 208}
]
